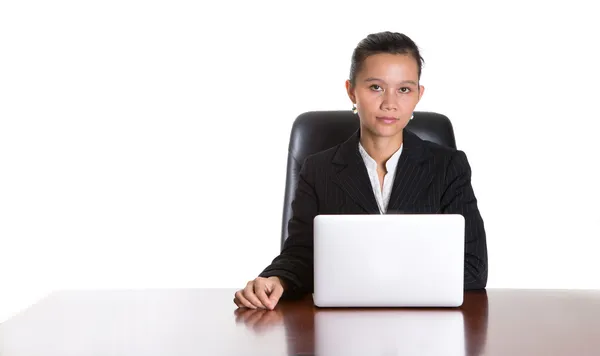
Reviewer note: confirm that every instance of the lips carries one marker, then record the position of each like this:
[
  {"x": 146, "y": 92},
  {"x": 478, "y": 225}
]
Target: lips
[{"x": 387, "y": 119}]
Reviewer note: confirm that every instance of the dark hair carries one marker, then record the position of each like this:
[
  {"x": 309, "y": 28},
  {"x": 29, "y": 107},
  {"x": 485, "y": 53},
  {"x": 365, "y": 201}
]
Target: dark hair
[{"x": 383, "y": 42}]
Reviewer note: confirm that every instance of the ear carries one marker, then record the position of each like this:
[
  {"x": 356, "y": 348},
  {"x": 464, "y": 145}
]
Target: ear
[
  {"x": 350, "y": 91},
  {"x": 421, "y": 91}
]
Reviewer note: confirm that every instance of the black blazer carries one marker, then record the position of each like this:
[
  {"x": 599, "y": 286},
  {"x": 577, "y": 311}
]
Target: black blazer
[{"x": 429, "y": 179}]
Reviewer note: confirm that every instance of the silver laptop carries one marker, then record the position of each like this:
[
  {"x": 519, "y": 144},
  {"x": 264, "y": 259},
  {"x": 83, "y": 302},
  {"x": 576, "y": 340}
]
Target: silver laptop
[{"x": 396, "y": 260}]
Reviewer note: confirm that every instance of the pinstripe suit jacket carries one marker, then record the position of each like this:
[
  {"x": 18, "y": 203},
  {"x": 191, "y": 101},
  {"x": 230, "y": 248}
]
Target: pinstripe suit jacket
[{"x": 429, "y": 179}]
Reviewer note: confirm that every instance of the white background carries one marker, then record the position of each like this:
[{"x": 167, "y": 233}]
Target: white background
[{"x": 144, "y": 143}]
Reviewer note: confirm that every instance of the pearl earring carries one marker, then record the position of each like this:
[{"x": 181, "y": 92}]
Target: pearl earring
[{"x": 354, "y": 110}]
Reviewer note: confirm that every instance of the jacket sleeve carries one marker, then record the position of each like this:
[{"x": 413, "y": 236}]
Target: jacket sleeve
[
  {"x": 294, "y": 265},
  {"x": 459, "y": 198}
]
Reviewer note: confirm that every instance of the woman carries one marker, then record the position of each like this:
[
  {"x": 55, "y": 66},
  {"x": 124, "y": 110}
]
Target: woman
[{"x": 381, "y": 169}]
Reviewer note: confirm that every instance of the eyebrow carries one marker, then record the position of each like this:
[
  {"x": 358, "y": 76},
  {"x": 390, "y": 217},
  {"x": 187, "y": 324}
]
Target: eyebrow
[{"x": 371, "y": 79}]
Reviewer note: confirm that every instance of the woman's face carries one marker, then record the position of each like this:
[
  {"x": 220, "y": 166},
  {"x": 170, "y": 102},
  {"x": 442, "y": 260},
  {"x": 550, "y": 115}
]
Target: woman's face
[{"x": 386, "y": 92}]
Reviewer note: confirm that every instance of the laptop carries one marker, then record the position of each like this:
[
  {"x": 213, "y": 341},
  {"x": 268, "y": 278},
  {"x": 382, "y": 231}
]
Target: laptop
[{"x": 395, "y": 260}]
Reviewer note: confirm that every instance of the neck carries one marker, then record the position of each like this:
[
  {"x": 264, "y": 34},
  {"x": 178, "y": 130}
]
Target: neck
[{"x": 380, "y": 148}]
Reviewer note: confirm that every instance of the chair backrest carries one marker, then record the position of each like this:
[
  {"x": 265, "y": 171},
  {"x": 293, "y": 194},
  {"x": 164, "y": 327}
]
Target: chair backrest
[{"x": 316, "y": 131}]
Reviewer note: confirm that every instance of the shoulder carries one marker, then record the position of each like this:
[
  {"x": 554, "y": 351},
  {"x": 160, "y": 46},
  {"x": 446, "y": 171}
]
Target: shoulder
[
  {"x": 320, "y": 160},
  {"x": 444, "y": 153},
  {"x": 437, "y": 150},
  {"x": 324, "y": 156},
  {"x": 453, "y": 161}
]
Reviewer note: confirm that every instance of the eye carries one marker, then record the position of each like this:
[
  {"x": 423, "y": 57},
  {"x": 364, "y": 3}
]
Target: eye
[
  {"x": 405, "y": 90},
  {"x": 375, "y": 87}
]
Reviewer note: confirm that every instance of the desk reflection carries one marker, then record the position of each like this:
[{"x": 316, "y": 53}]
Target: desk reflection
[
  {"x": 389, "y": 331},
  {"x": 259, "y": 320}
]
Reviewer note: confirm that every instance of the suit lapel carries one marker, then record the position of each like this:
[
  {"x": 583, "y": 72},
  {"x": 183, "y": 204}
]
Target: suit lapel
[
  {"x": 352, "y": 175},
  {"x": 413, "y": 174}
]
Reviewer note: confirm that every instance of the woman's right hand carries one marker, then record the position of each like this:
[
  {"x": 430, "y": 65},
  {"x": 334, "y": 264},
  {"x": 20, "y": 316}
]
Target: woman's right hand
[{"x": 263, "y": 293}]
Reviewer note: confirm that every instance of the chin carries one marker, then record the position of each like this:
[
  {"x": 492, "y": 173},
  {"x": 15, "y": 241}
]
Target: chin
[
  {"x": 389, "y": 133},
  {"x": 386, "y": 131}
]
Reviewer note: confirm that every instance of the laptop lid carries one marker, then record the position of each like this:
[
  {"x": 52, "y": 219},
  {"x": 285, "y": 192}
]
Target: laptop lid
[{"x": 396, "y": 260}]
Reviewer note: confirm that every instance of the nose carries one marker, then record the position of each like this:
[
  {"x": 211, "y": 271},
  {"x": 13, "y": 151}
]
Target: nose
[{"x": 388, "y": 101}]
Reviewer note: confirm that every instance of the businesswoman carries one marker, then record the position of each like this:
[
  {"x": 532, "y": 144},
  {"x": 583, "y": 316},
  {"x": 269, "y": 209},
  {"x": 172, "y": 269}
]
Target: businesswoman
[{"x": 381, "y": 169}]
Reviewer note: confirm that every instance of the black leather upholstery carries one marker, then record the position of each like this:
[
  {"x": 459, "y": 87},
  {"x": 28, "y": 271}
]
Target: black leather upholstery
[{"x": 316, "y": 131}]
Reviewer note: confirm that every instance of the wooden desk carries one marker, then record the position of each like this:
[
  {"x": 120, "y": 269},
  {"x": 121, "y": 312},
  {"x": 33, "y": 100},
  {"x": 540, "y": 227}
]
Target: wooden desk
[{"x": 206, "y": 322}]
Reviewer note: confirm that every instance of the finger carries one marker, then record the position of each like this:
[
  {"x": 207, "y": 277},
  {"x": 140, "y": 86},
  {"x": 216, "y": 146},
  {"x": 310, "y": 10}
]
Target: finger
[
  {"x": 261, "y": 294},
  {"x": 251, "y": 297},
  {"x": 239, "y": 304},
  {"x": 275, "y": 296},
  {"x": 240, "y": 297}
]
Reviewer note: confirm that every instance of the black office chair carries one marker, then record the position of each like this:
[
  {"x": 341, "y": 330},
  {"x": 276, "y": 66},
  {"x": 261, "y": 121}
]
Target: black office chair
[{"x": 316, "y": 131}]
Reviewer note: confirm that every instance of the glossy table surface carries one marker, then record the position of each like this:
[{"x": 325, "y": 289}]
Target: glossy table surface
[{"x": 206, "y": 322}]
